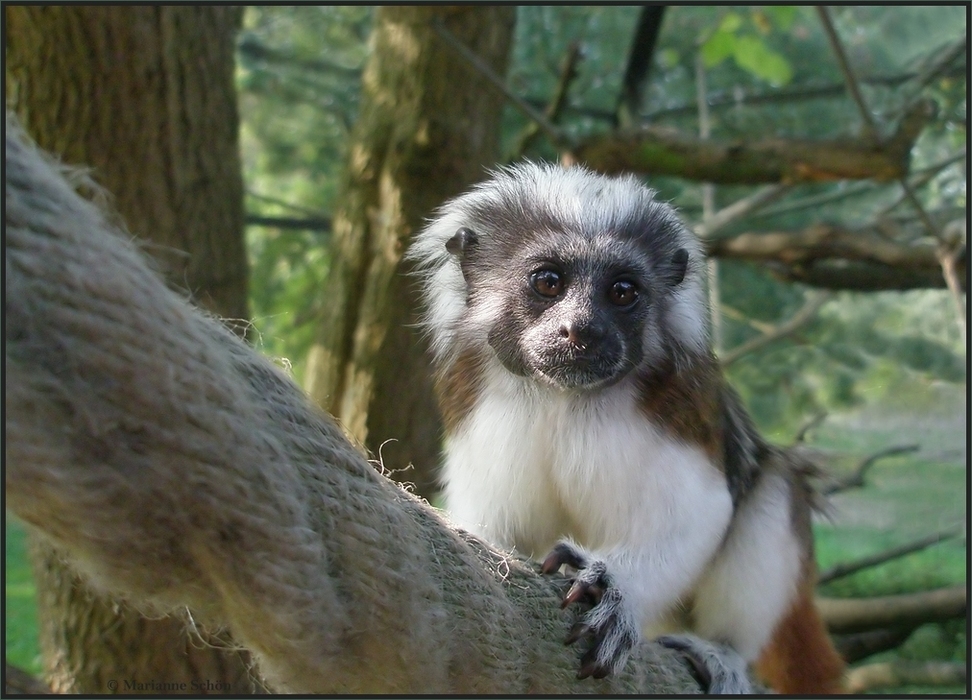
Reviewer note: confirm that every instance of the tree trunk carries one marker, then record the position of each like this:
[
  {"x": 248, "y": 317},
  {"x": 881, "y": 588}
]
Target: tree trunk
[
  {"x": 145, "y": 96},
  {"x": 428, "y": 126}
]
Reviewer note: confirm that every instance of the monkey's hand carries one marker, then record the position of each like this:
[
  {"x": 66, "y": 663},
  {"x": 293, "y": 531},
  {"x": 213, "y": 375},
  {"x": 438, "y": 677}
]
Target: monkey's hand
[
  {"x": 609, "y": 624},
  {"x": 718, "y": 667}
]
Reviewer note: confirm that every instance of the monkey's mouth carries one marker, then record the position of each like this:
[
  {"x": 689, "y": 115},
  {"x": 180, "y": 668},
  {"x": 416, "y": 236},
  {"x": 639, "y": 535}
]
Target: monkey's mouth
[{"x": 579, "y": 372}]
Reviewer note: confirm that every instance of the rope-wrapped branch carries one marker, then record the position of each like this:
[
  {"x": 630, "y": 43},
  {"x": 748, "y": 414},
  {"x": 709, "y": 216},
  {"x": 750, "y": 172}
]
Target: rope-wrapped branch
[{"x": 181, "y": 470}]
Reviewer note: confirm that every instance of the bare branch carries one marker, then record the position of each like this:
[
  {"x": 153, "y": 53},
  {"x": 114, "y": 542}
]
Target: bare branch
[
  {"x": 940, "y": 65},
  {"x": 922, "y": 177},
  {"x": 847, "y": 615},
  {"x": 859, "y": 645},
  {"x": 288, "y": 222},
  {"x": 824, "y": 255},
  {"x": 848, "y": 568},
  {"x": 728, "y": 99},
  {"x": 663, "y": 151},
  {"x": 950, "y": 253},
  {"x": 313, "y": 213},
  {"x": 856, "y": 478},
  {"x": 871, "y": 129},
  {"x": 894, "y": 674},
  {"x": 253, "y": 49},
  {"x": 639, "y": 63},
  {"x": 790, "y": 326},
  {"x": 553, "y": 133},
  {"x": 859, "y": 276}
]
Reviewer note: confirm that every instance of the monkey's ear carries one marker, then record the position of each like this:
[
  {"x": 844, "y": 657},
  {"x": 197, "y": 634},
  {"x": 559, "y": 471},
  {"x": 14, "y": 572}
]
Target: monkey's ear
[
  {"x": 460, "y": 243},
  {"x": 679, "y": 266}
]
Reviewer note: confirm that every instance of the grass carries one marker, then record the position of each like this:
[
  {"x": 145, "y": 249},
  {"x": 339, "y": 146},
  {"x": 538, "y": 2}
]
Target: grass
[{"x": 906, "y": 497}]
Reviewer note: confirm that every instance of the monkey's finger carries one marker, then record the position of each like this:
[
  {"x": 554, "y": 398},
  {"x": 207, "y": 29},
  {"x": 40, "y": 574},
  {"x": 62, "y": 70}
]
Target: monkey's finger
[
  {"x": 591, "y": 666},
  {"x": 551, "y": 564},
  {"x": 582, "y": 591},
  {"x": 562, "y": 554},
  {"x": 578, "y": 631}
]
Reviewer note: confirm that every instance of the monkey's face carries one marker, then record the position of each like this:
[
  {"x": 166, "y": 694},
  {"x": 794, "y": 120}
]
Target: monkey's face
[
  {"x": 571, "y": 312},
  {"x": 568, "y": 277}
]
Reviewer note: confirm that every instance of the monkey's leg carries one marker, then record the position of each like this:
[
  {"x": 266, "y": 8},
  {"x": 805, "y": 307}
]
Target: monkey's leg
[
  {"x": 800, "y": 658},
  {"x": 756, "y": 595}
]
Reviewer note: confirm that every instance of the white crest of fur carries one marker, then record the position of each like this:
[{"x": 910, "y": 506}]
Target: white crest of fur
[{"x": 581, "y": 199}]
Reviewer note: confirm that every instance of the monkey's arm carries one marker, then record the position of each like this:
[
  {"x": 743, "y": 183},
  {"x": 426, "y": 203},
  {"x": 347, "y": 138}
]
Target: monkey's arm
[
  {"x": 753, "y": 579},
  {"x": 638, "y": 581}
]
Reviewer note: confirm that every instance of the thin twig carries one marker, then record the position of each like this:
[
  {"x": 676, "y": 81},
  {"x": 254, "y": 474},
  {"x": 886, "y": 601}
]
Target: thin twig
[
  {"x": 568, "y": 73},
  {"x": 740, "y": 209},
  {"x": 728, "y": 99},
  {"x": 800, "y": 318},
  {"x": 852, "y": 190},
  {"x": 708, "y": 207},
  {"x": 848, "y": 568},
  {"x": 934, "y": 70},
  {"x": 856, "y": 478},
  {"x": 734, "y": 313},
  {"x": 946, "y": 254},
  {"x": 923, "y": 177},
  {"x": 801, "y": 434},
  {"x": 860, "y": 645},
  {"x": 849, "y": 78},
  {"x": 552, "y": 132}
]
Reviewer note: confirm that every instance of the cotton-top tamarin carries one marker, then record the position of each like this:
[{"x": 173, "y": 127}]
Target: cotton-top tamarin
[{"x": 588, "y": 422}]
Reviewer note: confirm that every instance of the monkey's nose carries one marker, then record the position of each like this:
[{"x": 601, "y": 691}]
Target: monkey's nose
[
  {"x": 569, "y": 331},
  {"x": 579, "y": 335}
]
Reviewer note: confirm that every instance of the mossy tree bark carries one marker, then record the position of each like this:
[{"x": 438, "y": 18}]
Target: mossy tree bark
[
  {"x": 428, "y": 127},
  {"x": 145, "y": 97}
]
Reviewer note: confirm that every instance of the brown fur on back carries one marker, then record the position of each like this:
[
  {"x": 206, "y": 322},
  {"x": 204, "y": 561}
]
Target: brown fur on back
[{"x": 686, "y": 403}]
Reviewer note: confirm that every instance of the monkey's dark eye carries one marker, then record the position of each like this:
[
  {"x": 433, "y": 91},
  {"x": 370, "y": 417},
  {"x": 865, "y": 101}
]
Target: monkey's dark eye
[
  {"x": 623, "y": 293},
  {"x": 547, "y": 283}
]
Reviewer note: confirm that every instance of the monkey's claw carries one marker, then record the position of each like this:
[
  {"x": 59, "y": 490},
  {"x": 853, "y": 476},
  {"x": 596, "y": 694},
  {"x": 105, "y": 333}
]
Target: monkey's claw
[
  {"x": 562, "y": 554},
  {"x": 609, "y": 626}
]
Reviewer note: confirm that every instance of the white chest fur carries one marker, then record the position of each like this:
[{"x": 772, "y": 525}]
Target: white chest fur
[{"x": 530, "y": 465}]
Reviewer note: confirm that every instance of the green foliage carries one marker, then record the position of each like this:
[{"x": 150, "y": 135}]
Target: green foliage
[
  {"x": 20, "y": 605},
  {"x": 299, "y": 80},
  {"x": 290, "y": 268},
  {"x": 747, "y": 48}
]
